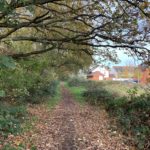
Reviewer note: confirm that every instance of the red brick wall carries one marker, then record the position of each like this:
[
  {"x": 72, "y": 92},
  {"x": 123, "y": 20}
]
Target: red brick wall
[
  {"x": 145, "y": 76},
  {"x": 95, "y": 77}
]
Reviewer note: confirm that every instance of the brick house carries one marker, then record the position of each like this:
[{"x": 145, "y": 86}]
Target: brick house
[
  {"x": 98, "y": 73},
  {"x": 95, "y": 76}
]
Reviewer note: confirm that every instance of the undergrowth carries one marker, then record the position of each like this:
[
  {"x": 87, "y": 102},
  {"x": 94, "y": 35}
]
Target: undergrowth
[
  {"x": 14, "y": 117},
  {"x": 77, "y": 93},
  {"x": 131, "y": 110},
  {"x": 11, "y": 118},
  {"x": 41, "y": 93},
  {"x": 53, "y": 101}
]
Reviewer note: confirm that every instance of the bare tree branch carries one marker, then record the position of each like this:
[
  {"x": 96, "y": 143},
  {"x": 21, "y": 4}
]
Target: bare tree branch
[{"x": 24, "y": 55}]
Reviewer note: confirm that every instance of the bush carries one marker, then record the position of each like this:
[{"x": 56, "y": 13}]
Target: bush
[
  {"x": 29, "y": 77},
  {"x": 116, "y": 102},
  {"x": 135, "y": 118},
  {"x": 97, "y": 96},
  {"x": 78, "y": 82},
  {"x": 11, "y": 118},
  {"x": 132, "y": 111},
  {"x": 51, "y": 89},
  {"x": 37, "y": 95}
]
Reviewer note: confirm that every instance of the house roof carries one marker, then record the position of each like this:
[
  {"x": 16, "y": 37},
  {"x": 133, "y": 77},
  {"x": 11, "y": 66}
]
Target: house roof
[
  {"x": 97, "y": 67},
  {"x": 95, "y": 73},
  {"x": 122, "y": 68},
  {"x": 93, "y": 68},
  {"x": 98, "y": 72},
  {"x": 112, "y": 71}
]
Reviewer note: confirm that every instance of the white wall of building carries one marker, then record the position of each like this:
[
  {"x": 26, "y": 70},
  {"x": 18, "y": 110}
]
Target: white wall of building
[
  {"x": 101, "y": 78},
  {"x": 103, "y": 71}
]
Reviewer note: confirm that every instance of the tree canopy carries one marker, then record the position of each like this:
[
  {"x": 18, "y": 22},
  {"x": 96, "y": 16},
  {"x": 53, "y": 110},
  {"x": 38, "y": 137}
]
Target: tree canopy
[
  {"x": 44, "y": 41},
  {"x": 89, "y": 26}
]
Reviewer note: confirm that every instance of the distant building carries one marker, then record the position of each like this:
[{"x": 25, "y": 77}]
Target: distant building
[
  {"x": 124, "y": 71},
  {"x": 140, "y": 74},
  {"x": 145, "y": 76},
  {"x": 98, "y": 73},
  {"x": 113, "y": 73},
  {"x": 145, "y": 69},
  {"x": 95, "y": 76}
]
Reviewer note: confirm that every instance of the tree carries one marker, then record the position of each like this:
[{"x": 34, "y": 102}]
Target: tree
[{"x": 81, "y": 25}]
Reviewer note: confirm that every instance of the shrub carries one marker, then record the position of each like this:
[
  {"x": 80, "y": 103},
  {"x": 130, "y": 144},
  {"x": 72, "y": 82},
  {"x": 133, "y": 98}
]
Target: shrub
[
  {"x": 78, "y": 82},
  {"x": 132, "y": 111},
  {"x": 133, "y": 116},
  {"x": 116, "y": 102},
  {"x": 11, "y": 119},
  {"x": 51, "y": 89},
  {"x": 38, "y": 94},
  {"x": 97, "y": 96}
]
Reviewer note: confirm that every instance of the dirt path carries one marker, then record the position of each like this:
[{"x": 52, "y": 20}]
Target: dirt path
[{"x": 73, "y": 127}]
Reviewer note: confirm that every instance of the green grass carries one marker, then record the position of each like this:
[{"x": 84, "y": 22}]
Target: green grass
[
  {"x": 127, "y": 103},
  {"x": 53, "y": 101},
  {"x": 77, "y": 93},
  {"x": 119, "y": 88}
]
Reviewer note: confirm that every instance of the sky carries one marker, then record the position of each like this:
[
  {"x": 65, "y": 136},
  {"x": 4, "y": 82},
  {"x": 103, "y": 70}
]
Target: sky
[{"x": 126, "y": 60}]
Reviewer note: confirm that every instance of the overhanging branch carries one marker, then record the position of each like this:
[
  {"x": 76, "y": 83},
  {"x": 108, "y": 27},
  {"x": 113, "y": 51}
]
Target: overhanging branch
[{"x": 24, "y": 55}]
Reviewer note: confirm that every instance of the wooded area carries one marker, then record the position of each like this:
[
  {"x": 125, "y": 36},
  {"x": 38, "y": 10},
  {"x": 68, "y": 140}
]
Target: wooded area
[
  {"x": 43, "y": 41},
  {"x": 69, "y": 32}
]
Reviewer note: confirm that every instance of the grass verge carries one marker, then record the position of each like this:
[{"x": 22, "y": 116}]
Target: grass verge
[
  {"x": 77, "y": 93},
  {"x": 55, "y": 99},
  {"x": 127, "y": 104}
]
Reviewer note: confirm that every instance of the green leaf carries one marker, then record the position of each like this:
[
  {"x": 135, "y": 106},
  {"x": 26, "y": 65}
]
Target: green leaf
[
  {"x": 7, "y": 62},
  {"x": 3, "y": 5},
  {"x": 2, "y": 93}
]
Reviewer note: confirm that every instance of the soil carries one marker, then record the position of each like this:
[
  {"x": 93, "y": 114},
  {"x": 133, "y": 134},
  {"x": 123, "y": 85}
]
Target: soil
[{"x": 70, "y": 126}]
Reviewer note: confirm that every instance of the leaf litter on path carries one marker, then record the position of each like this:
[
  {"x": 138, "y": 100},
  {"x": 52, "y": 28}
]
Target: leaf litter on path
[{"x": 70, "y": 126}]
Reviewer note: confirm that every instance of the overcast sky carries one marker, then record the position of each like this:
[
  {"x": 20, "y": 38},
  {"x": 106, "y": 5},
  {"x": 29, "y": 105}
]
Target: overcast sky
[{"x": 126, "y": 60}]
